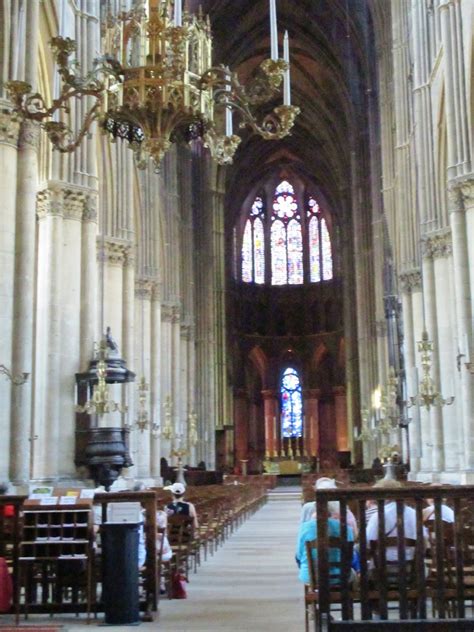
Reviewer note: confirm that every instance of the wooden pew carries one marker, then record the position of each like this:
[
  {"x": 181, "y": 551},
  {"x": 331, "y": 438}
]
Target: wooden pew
[{"x": 410, "y": 603}]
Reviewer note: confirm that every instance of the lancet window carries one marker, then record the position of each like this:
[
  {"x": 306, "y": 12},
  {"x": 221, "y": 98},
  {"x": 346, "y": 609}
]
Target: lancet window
[{"x": 291, "y": 404}]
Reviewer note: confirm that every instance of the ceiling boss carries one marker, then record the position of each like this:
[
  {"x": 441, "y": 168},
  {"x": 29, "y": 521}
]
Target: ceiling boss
[{"x": 155, "y": 85}]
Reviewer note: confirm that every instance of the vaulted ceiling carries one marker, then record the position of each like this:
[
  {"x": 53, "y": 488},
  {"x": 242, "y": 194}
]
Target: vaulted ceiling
[{"x": 332, "y": 61}]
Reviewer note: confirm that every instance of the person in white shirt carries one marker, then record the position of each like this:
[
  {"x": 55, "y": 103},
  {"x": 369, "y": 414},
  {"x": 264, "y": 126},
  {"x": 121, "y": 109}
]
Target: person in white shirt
[
  {"x": 447, "y": 514},
  {"x": 391, "y": 531},
  {"x": 308, "y": 509}
]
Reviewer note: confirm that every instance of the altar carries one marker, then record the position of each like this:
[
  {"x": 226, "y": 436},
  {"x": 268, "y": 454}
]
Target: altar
[{"x": 286, "y": 467}]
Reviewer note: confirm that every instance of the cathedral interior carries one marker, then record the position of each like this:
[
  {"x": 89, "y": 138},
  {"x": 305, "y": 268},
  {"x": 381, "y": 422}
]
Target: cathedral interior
[{"x": 306, "y": 304}]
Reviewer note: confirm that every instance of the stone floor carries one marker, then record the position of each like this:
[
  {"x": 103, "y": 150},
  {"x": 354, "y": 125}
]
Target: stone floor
[{"x": 249, "y": 584}]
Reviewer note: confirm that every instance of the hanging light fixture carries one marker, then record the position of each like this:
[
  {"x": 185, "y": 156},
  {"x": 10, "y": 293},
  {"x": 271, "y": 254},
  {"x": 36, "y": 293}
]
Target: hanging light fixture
[
  {"x": 192, "y": 429},
  {"x": 101, "y": 404},
  {"x": 155, "y": 85},
  {"x": 167, "y": 430},
  {"x": 427, "y": 395}
]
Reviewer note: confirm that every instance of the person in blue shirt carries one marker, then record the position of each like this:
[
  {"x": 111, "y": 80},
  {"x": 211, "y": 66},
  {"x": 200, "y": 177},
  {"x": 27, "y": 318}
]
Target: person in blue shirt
[{"x": 308, "y": 531}]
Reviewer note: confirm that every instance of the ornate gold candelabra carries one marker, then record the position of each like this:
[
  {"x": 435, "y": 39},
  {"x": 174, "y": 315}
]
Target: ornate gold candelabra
[
  {"x": 192, "y": 429},
  {"x": 167, "y": 430},
  {"x": 156, "y": 85},
  {"x": 142, "y": 420},
  {"x": 101, "y": 404},
  {"x": 427, "y": 395}
]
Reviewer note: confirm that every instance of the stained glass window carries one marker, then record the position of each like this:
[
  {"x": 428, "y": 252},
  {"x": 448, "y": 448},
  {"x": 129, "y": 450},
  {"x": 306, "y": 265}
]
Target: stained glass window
[
  {"x": 326, "y": 253},
  {"x": 247, "y": 267},
  {"x": 253, "y": 245},
  {"x": 286, "y": 238},
  {"x": 319, "y": 242},
  {"x": 291, "y": 404}
]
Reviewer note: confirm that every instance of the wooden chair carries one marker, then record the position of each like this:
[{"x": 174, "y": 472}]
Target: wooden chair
[
  {"x": 394, "y": 580},
  {"x": 340, "y": 577},
  {"x": 181, "y": 539}
]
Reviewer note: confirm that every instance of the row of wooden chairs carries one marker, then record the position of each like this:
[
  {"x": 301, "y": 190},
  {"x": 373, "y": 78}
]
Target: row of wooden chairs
[{"x": 432, "y": 586}]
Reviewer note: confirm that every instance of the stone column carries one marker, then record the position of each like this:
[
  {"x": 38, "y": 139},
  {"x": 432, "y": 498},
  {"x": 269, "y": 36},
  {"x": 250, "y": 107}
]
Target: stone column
[
  {"x": 9, "y": 129},
  {"x": 340, "y": 407},
  {"x": 51, "y": 204},
  {"x": 461, "y": 208},
  {"x": 241, "y": 425},
  {"x": 410, "y": 282},
  {"x": 22, "y": 353},
  {"x": 270, "y": 403},
  {"x": 311, "y": 406},
  {"x": 429, "y": 296},
  {"x": 143, "y": 319},
  {"x": 457, "y": 102},
  {"x": 178, "y": 421},
  {"x": 155, "y": 380},
  {"x": 166, "y": 380},
  {"x": 88, "y": 320}
]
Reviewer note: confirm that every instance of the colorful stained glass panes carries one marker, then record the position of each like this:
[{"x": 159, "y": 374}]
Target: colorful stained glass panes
[
  {"x": 278, "y": 249},
  {"x": 257, "y": 207},
  {"x": 247, "y": 268},
  {"x": 314, "y": 250},
  {"x": 291, "y": 404},
  {"x": 326, "y": 251},
  {"x": 284, "y": 204},
  {"x": 295, "y": 253},
  {"x": 259, "y": 251}
]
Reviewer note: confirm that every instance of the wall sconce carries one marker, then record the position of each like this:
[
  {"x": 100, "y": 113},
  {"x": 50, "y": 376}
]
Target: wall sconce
[{"x": 16, "y": 380}]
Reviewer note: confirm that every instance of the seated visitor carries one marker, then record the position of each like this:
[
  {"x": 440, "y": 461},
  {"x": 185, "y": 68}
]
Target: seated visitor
[
  {"x": 308, "y": 532},
  {"x": 447, "y": 514},
  {"x": 179, "y": 506},
  {"x": 391, "y": 531},
  {"x": 309, "y": 509}
]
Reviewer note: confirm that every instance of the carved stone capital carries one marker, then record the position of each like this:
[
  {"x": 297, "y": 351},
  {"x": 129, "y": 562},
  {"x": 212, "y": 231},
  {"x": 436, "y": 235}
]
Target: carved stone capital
[
  {"x": 176, "y": 314},
  {"x": 185, "y": 332},
  {"x": 167, "y": 312},
  {"x": 461, "y": 194},
  {"x": 90, "y": 209},
  {"x": 49, "y": 202},
  {"x": 9, "y": 129},
  {"x": 29, "y": 135},
  {"x": 114, "y": 252},
  {"x": 437, "y": 245},
  {"x": 129, "y": 257},
  {"x": 144, "y": 289},
  {"x": 74, "y": 202},
  {"x": 410, "y": 281},
  {"x": 157, "y": 291}
]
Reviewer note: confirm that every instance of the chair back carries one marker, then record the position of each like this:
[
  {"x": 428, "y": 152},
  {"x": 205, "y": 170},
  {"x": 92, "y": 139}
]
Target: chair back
[{"x": 340, "y": 561}]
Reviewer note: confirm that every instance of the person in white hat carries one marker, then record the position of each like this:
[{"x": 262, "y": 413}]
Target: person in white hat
[
  {"x": 308, "y": 510},
  {"x": 178, "y": 505}
]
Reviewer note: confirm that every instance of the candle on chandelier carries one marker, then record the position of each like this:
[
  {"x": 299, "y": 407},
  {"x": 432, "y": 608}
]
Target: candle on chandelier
[
  {"x": 286, "y": 76},
  {"x": 178, "y": 12},
  {"x": 273, "y": 31},
  {"x": 229, "y": 129}
]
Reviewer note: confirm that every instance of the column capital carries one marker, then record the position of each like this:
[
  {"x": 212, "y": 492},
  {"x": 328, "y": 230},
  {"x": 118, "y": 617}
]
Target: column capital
[
  {"x": 9, "y": 129},
  {"x": 167, "y": 312},
  {"x": 437, "y": 244},
  {"x": 115, "y": 252},
  {"x": 144, "y": 289},
  {"x": 461, "y": 193},
  {"x": 410, "y": 281},
  {"x": 185, "y": 332},
  {"x": 339, "y": 390},
  {"x": 90, "y": 209},
  {"x": 176, "y": 314}
]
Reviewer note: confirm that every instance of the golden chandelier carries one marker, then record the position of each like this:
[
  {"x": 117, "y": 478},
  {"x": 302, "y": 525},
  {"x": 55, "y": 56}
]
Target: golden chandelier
[{"x": 156, "y": 85}]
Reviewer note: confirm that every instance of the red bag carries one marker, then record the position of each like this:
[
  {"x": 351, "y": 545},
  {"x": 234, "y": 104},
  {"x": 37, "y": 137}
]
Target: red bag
[
  {"x": 6, "y": 587},
  {"x": 178, "y": 586}
]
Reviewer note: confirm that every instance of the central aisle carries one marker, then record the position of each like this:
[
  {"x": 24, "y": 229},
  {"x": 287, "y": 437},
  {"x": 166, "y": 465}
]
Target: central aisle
[{"x": 250, "y": 583}]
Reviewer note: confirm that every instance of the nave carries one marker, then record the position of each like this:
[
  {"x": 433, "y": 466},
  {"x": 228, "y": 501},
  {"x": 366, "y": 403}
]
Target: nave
[{"x": 251, "y": 582}]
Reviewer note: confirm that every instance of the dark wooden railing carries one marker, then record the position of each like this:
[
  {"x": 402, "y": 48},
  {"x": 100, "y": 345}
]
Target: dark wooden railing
[{"x": 430, "y": 592}]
